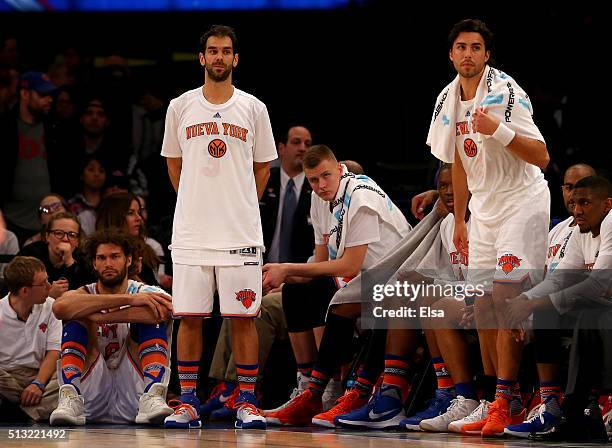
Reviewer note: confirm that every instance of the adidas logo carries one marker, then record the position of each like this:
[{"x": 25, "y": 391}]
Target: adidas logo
[{"x": 217, "y": 115}]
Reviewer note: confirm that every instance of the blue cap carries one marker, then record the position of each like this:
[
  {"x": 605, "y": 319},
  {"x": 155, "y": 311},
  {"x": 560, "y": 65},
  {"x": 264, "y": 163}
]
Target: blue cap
[{"x": 37, "y": 81}]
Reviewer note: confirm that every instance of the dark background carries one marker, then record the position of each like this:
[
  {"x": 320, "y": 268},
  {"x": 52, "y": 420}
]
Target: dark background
[{"x": 365, "y": 78}]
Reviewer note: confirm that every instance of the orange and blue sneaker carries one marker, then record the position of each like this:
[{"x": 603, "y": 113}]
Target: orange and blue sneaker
[
  {"x": 248, "y": 415},
  {"x": 499, "y": 417},
  {"x": 299, "y": 411},
  {"x": 218, "y": 397},
  {"x": 228, "y": 410},
  {"x": 348, "y": 402},
  {"x": 186, "y": 413}
]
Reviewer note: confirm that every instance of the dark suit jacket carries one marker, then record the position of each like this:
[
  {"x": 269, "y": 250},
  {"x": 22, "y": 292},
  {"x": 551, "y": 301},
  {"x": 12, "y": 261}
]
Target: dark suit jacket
[{"x": 303, "y": 235}]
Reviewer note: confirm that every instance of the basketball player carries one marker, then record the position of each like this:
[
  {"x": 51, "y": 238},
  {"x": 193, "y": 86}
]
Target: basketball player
[
  {"x": 218, "y": 144},
  {"x": 483, "y": 123},
  {"x": 114, "y": 354}
]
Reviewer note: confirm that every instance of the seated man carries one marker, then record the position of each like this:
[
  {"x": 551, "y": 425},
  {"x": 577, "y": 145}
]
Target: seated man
[
  {"x": 108, "y": 326},
  {"x": 356, "y": 225},
  {"x": 30, "y": 336}
]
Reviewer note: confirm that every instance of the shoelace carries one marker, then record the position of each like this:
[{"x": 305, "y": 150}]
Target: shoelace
[
  {"x": 182, "y": 408},
  {"x": 344, "y": 401},
  {"x": 497, "y": 414},
  {"x": 535, "y": 412},
  {"x": 538, "y": 414},
  {"x": 453, "y": 404}
]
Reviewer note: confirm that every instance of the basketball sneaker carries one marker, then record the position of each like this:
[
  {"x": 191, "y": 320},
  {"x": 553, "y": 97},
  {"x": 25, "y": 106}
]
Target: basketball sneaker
[
  {"x": 186, "y": 415},
  {"x": 436, "y": 406},
  {"x": 228, "y": 410},
  {"x": 471, "y": 424},
  {"x": 608, "y": 423},
  {"x": 348, "y": 402},
  {"x": 218, "y": 397},
  {"x": 302, "y": 385},
  {"x": 248, "y": 415},
  {"x": 459, "y": 408},
  {"x": 538, "y": 423},
  {"x": 499, "y": 417},
  {"x": 152, "y": 407},
  {"x": 384, "y": 410},
  {"x": 70, "y": 409},
  {"x": 331, "y": 394},
  {"x": 298, "y": 412}
]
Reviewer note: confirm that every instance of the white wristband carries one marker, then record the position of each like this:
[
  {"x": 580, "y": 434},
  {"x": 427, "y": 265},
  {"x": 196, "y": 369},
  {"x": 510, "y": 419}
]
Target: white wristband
[{"x": 503, "y": 134}]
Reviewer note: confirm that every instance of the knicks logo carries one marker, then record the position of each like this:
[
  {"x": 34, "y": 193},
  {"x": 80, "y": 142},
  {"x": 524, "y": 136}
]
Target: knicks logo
[
  {"x": 217, "y": 148},
  {"x": 470, "y": 148},
  {"x": 43, "y": 327},
  {"x": 246, "y": 296},
  {"x": 508, "y": 262}
]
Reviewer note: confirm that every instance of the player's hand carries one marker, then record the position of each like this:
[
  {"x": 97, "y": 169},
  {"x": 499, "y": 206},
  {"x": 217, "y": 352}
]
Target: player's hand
[
  {"x": 58, "y": 287},
  {"x": 421, "y": 201},
  {"x": 158, "y": 302},
  {"x": 484, "y": 123},
  {"x": 274, "y": 274},
  {"x": 518, "y": 310},
  {"x": 460, "y": 237},
  {"x": 467, "y": 320},
  {"x": 31, "y": 395}
]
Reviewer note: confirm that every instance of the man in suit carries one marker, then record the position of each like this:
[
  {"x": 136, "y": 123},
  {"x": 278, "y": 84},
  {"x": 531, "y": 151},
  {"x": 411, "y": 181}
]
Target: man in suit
[
  {"x": 288, "y": 242},
  {"x": 288, "y": 237}
]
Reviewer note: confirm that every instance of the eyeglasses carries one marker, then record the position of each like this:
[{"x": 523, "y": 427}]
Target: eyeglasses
[
  {"x": 60, "y": 234},
  {"x": 49, "y": 208},
  {"x": 567, "y": 187}
]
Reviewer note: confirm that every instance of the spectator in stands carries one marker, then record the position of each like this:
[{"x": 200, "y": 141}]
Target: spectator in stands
[
  {"x": 58, "y": 251},
  {"x": 9, "y": 246},
  {"x": 49, "y": 206},
  {"x": 27, "y": 372},
  {"x": 84, "y": 204},
  {"x": 26, "y": 172}
]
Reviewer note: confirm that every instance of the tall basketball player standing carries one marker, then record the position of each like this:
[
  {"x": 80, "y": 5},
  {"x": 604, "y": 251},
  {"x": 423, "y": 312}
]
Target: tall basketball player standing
[{"x": 218, "y": 143}]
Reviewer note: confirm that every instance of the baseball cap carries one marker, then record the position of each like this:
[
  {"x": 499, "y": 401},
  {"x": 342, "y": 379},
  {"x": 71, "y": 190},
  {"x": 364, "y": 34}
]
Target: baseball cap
[{"x": 37, "y": 81}]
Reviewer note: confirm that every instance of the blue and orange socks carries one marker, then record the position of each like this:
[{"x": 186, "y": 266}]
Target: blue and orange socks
[
  {"x": 153, "y": 353},
  {"x": 396, "y": 374},
  {"x": 74, "y": 351}
]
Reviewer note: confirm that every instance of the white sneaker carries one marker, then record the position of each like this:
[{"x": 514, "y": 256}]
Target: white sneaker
[
  {"x": 477, "y": 415},
  {"x": 186, "y": 415},
  {"x": 302, "y": 384},
  {"x": 608, "y": 422},
  {"x": 249, "y": 417},
  {"x": 332, "y": 392},
  {"x": 459, "y": 408},
  {"x": 152, "y": 407},
  {"x": 70, "y": 409}
]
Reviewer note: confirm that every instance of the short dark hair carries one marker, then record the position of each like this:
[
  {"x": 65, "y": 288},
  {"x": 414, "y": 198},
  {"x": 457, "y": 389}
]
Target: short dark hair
[
  {"x": 472, "y": 26},
  {"x": 285, "y": 137},
  {"x": 316, "y": 154},
  {"x": 599, "y": 185},
  {"x": 219, "y": 31},
  {"x": 109, "y": 236},
  {"x": 20, "y": 272}
]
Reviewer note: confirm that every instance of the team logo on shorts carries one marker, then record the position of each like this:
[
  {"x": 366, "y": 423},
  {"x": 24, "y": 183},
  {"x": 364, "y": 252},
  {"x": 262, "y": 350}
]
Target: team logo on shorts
[
  {"x": 508, "y": 262},
  {"x": 43, "y": 327},
  {"x": 217, "y": 148},
  {"x": 246, "y": 296},
  {"x": 470, "y": 148}
]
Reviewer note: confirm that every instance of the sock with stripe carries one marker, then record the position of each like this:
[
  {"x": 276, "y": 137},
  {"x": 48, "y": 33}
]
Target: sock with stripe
[
  {"x": 466, "y": 390},
  {"x": 443, "y": 376},
  {"x": 74, "y": 351},
  {"x": 188, "y": 376},
  {"x": 516, "y": 404},
  {"x": 247, "y": 377},
  {"x": 550, "y": 393},
  {"x": 365, "y": 382},
  {"x": 396, "y": 374},
  {"x": 153, "y": 353},
  {"x": 305, "y": 368},
  {"x": 504, "y": 389}
]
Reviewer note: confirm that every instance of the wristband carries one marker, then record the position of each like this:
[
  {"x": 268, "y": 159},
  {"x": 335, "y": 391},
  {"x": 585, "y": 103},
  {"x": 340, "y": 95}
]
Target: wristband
[
  {"x": 38, "y": 384},
  {"x": 503, "y": 134}
]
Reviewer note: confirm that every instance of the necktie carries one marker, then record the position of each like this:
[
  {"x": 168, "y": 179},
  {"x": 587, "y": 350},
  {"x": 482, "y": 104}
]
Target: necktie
[{"x": 286, "y": 230}]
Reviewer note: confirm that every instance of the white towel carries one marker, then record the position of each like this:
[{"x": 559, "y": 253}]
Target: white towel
[
  {"x": 355, "y": 192},
  {"x": 499, "y": 93}
]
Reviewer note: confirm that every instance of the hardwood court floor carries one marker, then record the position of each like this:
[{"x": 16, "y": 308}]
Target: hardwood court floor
[{"x": 218, "y": 435}]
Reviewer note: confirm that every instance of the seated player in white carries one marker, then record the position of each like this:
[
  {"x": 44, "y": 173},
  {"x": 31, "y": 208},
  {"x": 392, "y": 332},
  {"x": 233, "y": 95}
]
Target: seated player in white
[{"x": 114, "y": 357}]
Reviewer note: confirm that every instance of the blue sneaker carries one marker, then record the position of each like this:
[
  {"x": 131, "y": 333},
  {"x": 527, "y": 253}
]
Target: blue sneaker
[
  {"x": 248, "y": 415},
  {"x": 539, "y": 422},
  {"x": 218, "y": 397},
  {"x": 228, "y": 410},
  {"x": 436, "y": 406},
  {"x": 186, "y": 415},
  {"x": 384, "y": 410}
]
